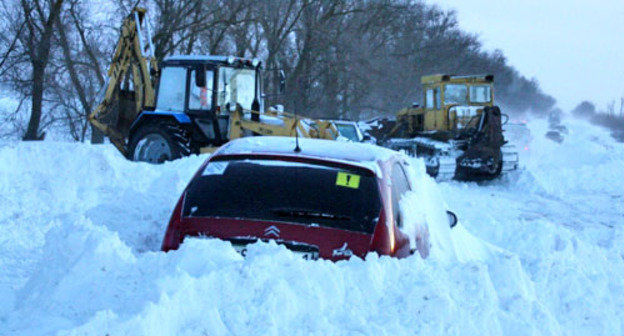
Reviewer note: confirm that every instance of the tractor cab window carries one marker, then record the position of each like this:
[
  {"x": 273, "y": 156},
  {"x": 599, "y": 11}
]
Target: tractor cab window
[
  {"x": 200, "y": 98},
  {"x": 172, "y": 89},
  {"x": 480, "y": 94},
  {"x": 456, "y": 94},
  {"x": 236, "y": 86}
]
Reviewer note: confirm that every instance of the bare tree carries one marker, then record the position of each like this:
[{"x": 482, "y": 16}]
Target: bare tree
[
  {"x": 246, "y": 35},
  {"x": 342, "y": 58},
  {"x": 69, "y": 63},
  {"x": 184, "y": 26},
  {"x": 11, "y": 43},
  {"x": 82, "y": 76},
  {"x": 277, "y": 20},
  {"x": 40, "y": 17}
]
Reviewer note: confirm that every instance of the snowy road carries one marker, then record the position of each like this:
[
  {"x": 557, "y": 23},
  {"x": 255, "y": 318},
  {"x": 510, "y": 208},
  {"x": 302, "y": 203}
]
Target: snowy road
[
  {"x": 563, "y": 216},
  {"x": 538, "y": 252}
]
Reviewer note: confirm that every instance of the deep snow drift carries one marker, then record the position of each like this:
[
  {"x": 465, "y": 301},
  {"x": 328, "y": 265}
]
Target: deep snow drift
[{"x": 537, "y": 252}]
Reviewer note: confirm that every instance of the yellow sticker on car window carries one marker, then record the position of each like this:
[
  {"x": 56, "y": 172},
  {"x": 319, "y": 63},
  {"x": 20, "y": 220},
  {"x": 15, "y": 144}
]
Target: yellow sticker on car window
[{"x": 348, "y": 180}]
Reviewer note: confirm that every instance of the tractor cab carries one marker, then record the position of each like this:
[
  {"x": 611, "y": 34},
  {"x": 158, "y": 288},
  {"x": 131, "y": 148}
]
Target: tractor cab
[
  {"x": 451, "y": 102},
  {"x": 205, "y": 88},
  {"x": 186, "y": 104}
]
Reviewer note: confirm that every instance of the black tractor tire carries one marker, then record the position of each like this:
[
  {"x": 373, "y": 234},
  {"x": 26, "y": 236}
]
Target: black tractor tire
[{"x": 159, "y": 141}]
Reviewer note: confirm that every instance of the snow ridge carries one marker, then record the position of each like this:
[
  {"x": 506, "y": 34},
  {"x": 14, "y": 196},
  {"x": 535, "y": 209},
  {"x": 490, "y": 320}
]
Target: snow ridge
[{"x": 535, "y": 253}]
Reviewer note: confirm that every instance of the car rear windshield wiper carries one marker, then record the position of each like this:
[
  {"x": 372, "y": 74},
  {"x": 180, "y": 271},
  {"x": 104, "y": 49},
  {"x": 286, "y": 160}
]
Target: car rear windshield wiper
[{"x": 287, "y": 212}]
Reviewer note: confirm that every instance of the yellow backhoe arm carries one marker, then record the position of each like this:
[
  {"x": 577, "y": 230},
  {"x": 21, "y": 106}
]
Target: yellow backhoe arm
[
  {"x": 132, "y": 52},
  {"x": 288, "y": 125}
]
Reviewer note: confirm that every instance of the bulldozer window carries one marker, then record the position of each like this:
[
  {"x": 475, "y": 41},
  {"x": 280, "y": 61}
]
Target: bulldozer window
[
  {"x": 429, "y": 99},
  {"x": 200, "y": 98},
  {"x": 172, "y": 89},
  {"x": 438, "y": 98},
  {"x": 480, "y": 94},
  {"x": 456, "y": 94}
]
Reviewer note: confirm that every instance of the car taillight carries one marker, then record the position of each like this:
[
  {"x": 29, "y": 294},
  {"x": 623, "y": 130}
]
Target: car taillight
[
  {"x": 172, "y": 238},
  {"x": 381, "y": 241}
]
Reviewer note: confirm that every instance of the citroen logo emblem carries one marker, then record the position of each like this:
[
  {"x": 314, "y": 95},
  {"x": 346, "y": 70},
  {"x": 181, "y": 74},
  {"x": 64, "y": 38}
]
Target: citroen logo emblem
[{"x": 272, "y": 230}]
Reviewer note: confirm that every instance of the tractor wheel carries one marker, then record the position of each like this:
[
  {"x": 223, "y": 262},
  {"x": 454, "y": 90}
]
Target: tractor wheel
[{"x": 157, "y": 142}]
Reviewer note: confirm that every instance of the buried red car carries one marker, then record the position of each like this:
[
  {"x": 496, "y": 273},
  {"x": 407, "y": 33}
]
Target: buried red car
[{"x": 324, "y": 199}]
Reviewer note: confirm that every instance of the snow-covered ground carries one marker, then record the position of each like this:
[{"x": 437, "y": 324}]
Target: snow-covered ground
[{"x": 538, "y": 252}]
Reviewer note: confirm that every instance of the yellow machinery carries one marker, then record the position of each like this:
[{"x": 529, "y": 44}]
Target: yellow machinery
[
  {"x": 458, "y": 130},
  {"x": 125, "y": 105},
  {"x": 188, "y": 104},
  {"x": 449, "y": 103}
]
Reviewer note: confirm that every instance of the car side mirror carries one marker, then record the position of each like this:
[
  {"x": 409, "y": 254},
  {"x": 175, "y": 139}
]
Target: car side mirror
[
  {"x": 200, "y": 76},
  {"x": 366, "y": 137},
  {"x": 452, "y": 218}
]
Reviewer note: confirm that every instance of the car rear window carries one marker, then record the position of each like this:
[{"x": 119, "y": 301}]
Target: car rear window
[{"x": 275, "y": 190}]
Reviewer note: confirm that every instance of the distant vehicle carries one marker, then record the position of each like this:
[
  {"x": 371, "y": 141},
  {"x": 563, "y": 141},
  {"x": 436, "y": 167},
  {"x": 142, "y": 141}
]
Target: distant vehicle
[
  {"x": 562, "y": 129},
  {"x": 458, "y": 130},
  {"x": 554, "y": 136},
  {"x": 518, "y": 134},
  {"x": 349, "y": 130},
  {"x": 321, "y": 199},
  {"x": 377, "y": 128}
]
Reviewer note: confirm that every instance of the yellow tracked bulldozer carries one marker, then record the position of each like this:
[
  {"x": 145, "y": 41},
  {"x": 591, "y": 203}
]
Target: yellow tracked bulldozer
[
  {"x": 186, "y": 104},
  {"x": 458, "y": 131}
]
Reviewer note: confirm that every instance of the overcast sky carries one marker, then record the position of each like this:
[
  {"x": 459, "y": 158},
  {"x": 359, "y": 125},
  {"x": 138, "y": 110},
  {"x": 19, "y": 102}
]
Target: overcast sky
[{"x": 575, "y": 48}]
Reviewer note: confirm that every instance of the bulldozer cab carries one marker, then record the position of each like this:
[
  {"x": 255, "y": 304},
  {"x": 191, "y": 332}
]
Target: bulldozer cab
[{"x": 451, "y": 102}]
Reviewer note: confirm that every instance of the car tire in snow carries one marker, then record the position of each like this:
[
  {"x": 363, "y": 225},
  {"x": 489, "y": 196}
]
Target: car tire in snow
[{"x": 159, "y": 141}]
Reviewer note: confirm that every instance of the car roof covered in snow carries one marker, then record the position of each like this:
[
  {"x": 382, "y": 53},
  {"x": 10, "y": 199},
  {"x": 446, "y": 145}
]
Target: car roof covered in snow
[{"x": 365, "y": 155}]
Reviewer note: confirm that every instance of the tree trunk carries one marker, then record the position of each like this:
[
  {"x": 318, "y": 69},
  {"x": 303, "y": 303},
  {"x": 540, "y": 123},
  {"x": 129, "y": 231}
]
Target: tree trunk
[
  {"x": 32, "y": 133},
  {"x": 39, "y": 57},
  {"x": 96, "y": 134}
]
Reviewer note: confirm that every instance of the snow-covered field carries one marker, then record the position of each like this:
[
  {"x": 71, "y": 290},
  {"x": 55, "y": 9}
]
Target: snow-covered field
[{"x": 538, "y": 252}]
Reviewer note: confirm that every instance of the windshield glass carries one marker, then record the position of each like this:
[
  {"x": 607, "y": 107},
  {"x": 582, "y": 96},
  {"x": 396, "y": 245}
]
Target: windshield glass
[
  {"x": 348, "y": 131},
  {"x": 480, "y": 94},
  {"x": 236, "y": 86},
  {"x": 456, "y": 94},
  {"x": 200, "y": 98},
  {"x": 172, "y": 89},
  {"x": 283, "y": 191}
]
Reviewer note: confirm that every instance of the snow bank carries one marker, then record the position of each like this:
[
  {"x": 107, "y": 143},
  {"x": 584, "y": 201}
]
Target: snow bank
[
  {"x": 562, "y": 216},
  {"x": 81, "y": 226}
]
